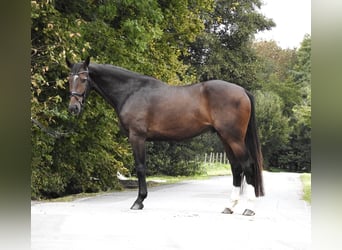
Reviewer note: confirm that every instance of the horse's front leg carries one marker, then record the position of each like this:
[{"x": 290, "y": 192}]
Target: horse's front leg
[{"x": 138, "y": 145}]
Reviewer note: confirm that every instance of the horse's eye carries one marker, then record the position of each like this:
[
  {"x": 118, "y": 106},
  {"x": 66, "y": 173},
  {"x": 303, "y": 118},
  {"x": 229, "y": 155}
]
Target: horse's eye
[{"x": 83, "y": 79}]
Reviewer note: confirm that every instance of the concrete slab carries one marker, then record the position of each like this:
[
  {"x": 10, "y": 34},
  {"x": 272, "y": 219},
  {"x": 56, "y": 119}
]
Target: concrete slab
[{"x": 182, "y": 216}]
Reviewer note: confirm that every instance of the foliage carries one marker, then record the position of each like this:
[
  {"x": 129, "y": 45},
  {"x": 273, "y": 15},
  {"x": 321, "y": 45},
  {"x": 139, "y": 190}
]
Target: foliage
[
  {"x": 274, "y": 62},
  {"x": 224, "y": 51},
  {"x": 275, "y": 65},
  {"x": 287, "y": 74},
  {"x": 174, "y": 158},
  {"x": 306, "y": 180},
  {"x": 217, "y": 169},
  {"x": 301, "y": 134},
  {"x": 273, "y": 125}
]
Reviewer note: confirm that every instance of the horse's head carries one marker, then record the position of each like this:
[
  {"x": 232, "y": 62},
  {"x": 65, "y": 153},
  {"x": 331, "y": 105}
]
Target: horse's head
[{"x": 79, "y": 85}]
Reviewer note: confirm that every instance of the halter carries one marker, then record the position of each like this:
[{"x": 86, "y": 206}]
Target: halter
[
  {"x": 84, "y": 71},
  {"x": 75, "y": 94}
]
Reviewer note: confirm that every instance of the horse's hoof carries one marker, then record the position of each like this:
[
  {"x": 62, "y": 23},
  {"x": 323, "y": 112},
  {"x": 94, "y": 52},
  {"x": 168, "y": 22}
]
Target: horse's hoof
[
  {"x": 137, "y": 206},
  {"x": 248, "y": 212},
  {"x": 227, "y": 211}
]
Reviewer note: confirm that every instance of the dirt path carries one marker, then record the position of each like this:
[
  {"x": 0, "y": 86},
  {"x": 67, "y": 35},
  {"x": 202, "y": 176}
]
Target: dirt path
[{"x": 182, "y": 216}]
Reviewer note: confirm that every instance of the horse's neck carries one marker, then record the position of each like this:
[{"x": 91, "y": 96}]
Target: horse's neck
[{"x": 115, "y": 85}]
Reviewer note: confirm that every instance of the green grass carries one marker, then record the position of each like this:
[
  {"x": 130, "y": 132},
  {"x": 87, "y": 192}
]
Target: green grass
[
  {"x": 216, "y": 169},
  {"x": 306, "y": 180},
  {"x": 208, "y": 170},
  {"x": 165, "y": 179},
  {"x": 277, "y": 170},
  {"x": 73, "y": 197}
]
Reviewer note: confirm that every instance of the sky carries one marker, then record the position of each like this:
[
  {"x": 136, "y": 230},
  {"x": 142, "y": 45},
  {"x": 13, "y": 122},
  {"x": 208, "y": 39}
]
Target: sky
[{"x": 293, "y": 21}]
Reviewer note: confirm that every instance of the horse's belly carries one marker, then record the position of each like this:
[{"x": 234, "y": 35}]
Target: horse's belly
[{"x": 176, "y": 128}]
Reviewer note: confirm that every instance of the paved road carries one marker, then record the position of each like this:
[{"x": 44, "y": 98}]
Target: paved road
[{"x": 183, "y": 216}]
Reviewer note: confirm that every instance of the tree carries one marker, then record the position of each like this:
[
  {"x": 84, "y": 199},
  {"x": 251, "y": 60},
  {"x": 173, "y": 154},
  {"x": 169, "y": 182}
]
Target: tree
[
  {"x": 174, "y": 158},
  {"x": 224, "y": 51},
  {"x": 301, "y": 135},
  {"x": 273, "y": 126},
  {"x": 275, "y": 62},
  {"x": 287, "y": 74},
  {"x": 275, "y": 72}
]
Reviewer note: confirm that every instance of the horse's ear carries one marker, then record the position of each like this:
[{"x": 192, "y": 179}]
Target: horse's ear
[
  {"x": 86, "y": 62},
  {"x": 68, "y": 62}
]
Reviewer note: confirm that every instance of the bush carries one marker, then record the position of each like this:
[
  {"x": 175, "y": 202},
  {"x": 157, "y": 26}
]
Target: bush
[
  {"x": 174, "y": 159},
  {"x": 79, "y": 161}
]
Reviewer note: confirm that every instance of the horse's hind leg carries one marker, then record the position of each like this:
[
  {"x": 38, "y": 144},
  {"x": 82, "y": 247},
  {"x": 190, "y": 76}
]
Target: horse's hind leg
[
  {"x": 237, "y": 174},
  {"x": 241, "y": 168},
  {"x": 246, "y": 178}
]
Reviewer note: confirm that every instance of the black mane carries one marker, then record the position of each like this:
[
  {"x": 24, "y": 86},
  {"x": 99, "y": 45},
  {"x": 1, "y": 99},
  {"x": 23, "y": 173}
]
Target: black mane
[{"x": 120, "y": 72}]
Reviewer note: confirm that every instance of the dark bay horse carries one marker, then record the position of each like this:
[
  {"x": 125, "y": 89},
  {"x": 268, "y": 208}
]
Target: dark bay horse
[{"x": 149, "y": 109}]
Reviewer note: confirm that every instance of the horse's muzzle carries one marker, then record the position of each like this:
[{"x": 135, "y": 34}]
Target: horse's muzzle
[{"x": 75, "y": 109}]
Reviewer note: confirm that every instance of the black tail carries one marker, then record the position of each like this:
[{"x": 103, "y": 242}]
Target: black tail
[{"x": 253, "y": 145}]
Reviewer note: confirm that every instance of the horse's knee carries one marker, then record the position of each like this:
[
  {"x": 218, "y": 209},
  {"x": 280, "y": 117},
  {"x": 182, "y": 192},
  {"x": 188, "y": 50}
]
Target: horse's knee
[{"x": 140, "y": 169}]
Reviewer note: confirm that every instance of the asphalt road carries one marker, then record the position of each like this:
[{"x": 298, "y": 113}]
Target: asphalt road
[{"x": 181, "y": 216}]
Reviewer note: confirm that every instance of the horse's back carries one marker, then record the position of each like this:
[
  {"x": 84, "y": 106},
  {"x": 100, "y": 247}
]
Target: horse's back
[
  {"x": 226, "y": 88},
  {"x": 221, "y": 92}
]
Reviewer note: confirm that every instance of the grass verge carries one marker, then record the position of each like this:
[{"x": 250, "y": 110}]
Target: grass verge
[
  {"x": 216, "y": 169},
  {"x": 208, "y": 170},
  {"x": 73, "y": 197},
  {"x": 306, "y": 180}
]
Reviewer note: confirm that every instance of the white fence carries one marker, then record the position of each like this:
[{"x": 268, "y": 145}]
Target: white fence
[{"x": 216, "y": 158}]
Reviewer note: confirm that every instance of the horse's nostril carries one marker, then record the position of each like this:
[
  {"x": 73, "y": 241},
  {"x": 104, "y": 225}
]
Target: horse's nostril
[{"x": 73, "y": 109}]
